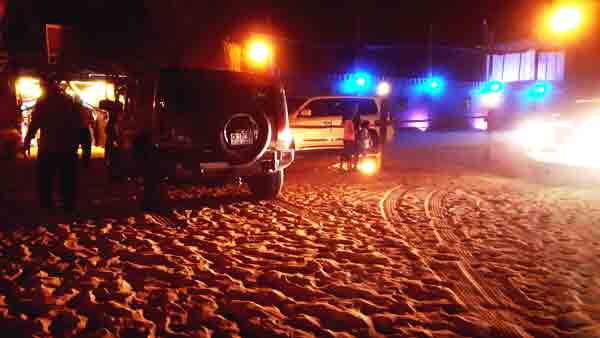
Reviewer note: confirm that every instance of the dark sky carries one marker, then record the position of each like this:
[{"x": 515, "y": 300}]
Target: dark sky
[
  {"x": 192, "y": 29},
  {"x": 455, "y": 22}
]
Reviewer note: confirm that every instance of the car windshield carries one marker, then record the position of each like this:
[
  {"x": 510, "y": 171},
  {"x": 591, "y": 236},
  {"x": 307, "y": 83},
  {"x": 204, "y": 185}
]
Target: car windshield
[{"x": 342, "y": 107}]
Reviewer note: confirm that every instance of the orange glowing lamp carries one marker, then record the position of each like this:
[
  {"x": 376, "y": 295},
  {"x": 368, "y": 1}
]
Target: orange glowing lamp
[
  {"x": 367, "y": 166},
  {"x": 566, "y": 19},
  {"x": 259, "y": 52}
]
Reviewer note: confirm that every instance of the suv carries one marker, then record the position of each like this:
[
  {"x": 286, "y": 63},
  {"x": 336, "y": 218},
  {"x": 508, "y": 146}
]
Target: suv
[
  {"x": 219, "y": 124},
  {"x": 317, "y": 123}
]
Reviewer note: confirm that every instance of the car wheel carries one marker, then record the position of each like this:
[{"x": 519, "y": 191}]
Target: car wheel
[{"x": 266, "y": 187}]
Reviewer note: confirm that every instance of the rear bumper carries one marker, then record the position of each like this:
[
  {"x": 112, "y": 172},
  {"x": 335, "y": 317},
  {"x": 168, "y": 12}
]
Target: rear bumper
[
  {"x": 272, "y": 160},
  {"x": 316, "y": 148},
  {"x": 166, "y": 160}
]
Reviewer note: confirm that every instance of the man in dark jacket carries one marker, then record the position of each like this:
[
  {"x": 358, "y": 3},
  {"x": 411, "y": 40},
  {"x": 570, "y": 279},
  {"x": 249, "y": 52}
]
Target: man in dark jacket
[{"x": 59, "y": 120}]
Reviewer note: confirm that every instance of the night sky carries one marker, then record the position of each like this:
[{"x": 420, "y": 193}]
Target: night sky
[
  {"x": 191, "y": 29},
  {"x": 456, "y": 22}
]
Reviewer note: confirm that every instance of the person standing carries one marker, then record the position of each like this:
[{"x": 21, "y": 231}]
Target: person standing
[
  {"x": 59, "y": 120},
  {"x": 86, "y": 135},
  {"x": 351, "y": 124},
  {"x": 112, "y": 153},
  {"x": 349, "y": 137},
  {"x": 491, "y": 127}
]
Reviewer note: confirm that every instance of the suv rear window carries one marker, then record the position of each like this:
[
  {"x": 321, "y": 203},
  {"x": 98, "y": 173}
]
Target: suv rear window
[
  {"x": 190, "y": 93},
  {"x": 342, "y": 106}
]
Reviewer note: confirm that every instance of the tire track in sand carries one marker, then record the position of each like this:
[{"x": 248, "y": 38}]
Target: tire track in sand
[
  {"x": 400, "y": 232},
  {"x": 299, "y": 211},
  {"x": 470, "y": 286},
  {"x": 434, "y": 209}
]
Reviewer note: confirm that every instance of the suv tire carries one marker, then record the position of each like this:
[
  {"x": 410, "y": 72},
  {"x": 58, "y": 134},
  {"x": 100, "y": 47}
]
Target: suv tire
[{"x": 266, "y": 187}]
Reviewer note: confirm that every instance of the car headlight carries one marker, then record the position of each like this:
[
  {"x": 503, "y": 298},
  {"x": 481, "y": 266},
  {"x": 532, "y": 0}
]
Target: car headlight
[
  {"x": 588, "y": 135},
  {"x": 534, "y": 134},
  {"x": 491, "y": 100}
]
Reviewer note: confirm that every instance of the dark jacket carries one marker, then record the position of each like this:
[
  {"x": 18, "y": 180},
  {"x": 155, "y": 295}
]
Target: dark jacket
[{"x": 59, "y": 118}]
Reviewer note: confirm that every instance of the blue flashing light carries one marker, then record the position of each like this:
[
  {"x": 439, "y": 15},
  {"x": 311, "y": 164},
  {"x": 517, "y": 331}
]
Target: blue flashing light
[
  {"x": 434, "y": 86},
  {"x": 359, "y": 83},
  {"x": 539, "y": 90},
  {"x": 492, "y": 87}
]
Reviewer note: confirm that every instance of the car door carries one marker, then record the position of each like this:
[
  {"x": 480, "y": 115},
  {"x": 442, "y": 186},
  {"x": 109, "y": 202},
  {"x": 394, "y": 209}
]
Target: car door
[
  {"x": 343, "y": 106},
  {"x": 312, "y": 124}
]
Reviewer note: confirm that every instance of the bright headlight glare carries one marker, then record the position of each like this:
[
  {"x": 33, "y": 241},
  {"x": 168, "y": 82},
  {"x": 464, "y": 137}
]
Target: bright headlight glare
[
  {"x": 534, "y": 134},
  {"x": 491, "y": 100},
  {"x": 593, "y": 124},
  {"x": 588, "y": 136}
]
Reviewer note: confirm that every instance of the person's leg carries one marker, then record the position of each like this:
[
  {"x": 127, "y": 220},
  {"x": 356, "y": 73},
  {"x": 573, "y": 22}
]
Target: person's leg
[
  {"x": 86, "y": 145},
  {"x": 68, "y": 180},
  {"x": 348, "y": 150},
  {"x": 46, "y": 166}
]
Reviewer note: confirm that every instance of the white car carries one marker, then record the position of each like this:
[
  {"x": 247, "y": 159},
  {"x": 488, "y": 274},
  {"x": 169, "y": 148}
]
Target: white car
[{"x": 317, "y": 123}]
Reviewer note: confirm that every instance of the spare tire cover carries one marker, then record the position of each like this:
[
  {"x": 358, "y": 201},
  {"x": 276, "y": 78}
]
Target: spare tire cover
[{"x": 244, "y": 137}]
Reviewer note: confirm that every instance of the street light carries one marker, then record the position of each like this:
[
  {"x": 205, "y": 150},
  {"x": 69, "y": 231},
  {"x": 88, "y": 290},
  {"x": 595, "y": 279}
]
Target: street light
[
  {"x": 29, "y": 88},
  {"x": 260, "y": 52},
  {"x": 383, "y": 89},
  {"x": 566, "y": 19}
]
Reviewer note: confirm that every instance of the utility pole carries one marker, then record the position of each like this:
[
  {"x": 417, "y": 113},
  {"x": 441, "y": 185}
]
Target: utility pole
[
  {"x": 486, "y": 49},
  {"x": 429, "y": 69},
  {"x": 357, "y": 37},
  {"x": 430, "y": 50}
]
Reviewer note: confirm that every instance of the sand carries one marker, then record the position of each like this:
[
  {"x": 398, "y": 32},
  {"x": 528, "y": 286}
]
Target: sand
[{"x": 411, "y": 253}]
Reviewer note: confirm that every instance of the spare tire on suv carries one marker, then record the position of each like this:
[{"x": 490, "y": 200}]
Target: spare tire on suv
[{"x": 253, "y": 126}]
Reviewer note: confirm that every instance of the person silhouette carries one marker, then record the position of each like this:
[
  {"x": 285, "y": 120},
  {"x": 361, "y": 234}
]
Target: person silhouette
[{"x": 59, "y": 120}]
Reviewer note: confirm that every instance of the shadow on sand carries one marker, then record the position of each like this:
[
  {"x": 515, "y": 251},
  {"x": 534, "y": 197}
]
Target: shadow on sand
[{"x": 122, "y": 206}]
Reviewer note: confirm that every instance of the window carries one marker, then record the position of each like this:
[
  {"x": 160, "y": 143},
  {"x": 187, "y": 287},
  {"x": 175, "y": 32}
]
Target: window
[
  {"x": 342, "y": 106},
  {"x": 551, "y": 66},
  {"x": 521, "y": 66},
  {"x": 189, "y": 95},
  {"x": 293, "y": 103}
]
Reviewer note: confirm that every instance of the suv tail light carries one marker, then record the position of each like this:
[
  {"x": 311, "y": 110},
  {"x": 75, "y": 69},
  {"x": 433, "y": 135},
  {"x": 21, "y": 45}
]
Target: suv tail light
[
  {"x": 285, "y": 137},
  {"x": 282, "y": 138}
]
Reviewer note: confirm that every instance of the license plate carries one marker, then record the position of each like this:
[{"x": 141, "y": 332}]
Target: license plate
[{"x": 240, "y": 139}]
